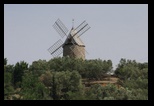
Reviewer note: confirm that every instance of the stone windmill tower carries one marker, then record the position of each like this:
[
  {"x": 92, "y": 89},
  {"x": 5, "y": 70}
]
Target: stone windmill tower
[{"x": 73, "y": 45}]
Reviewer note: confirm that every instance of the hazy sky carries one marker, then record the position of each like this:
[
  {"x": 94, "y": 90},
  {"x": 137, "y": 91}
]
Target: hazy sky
[{"x": 117, "y": 31}]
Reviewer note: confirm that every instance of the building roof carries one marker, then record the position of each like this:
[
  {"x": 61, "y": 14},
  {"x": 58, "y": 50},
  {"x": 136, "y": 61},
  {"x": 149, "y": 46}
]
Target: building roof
[{"x": 75, "y": 39}]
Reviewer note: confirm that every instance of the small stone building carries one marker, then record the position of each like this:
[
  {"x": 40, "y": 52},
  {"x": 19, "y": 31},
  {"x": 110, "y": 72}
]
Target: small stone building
[{"x": 73, "y": 46}]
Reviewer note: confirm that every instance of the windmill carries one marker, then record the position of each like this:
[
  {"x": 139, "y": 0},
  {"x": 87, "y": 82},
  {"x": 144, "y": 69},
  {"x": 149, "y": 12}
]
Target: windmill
[{"x": 73, "y": 45}]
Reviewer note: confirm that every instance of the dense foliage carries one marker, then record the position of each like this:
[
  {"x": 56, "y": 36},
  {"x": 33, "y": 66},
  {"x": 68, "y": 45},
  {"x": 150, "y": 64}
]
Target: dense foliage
[{"x": 62, "y": 79}]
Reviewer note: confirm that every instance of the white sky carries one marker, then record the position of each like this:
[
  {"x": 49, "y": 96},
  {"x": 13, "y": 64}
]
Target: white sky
[{"x": 117, "y": 31}]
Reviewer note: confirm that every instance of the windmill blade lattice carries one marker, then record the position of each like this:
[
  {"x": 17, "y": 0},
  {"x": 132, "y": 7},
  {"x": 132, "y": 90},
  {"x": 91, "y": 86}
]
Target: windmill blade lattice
[
  {"x": 56, "y": 48},
  {"x": 82, "y": 28},
  {"x": 60, "y": 28}
]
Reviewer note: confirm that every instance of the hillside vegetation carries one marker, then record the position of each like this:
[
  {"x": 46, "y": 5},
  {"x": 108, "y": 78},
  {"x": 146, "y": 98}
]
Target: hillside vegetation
[{"x": 75, "y": 79}]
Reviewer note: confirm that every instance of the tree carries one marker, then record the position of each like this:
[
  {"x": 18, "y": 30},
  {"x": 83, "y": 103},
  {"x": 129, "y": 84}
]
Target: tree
[
  {"x": 32, "y": 88},
  {"x": 66, "y": 63},
  {"x": 39, "y": 65},
  {"x": 64, "y": 83},
  {"x": 8, "y": 87},
  {"x": 60, "y": 79},
  {"x": 19, "y": 69},
  {"x": 94, "y": 69},
  {"x": 5, "y": 61},
  {"x": 135, "y": 78},
  {"x": 9, "y": 68},
  {"x": 46, "y": 78},
  {"x": 94, "y": 93}
]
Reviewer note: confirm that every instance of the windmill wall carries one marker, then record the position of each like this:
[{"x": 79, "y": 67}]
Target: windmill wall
[{"x": 74, "y": 51}]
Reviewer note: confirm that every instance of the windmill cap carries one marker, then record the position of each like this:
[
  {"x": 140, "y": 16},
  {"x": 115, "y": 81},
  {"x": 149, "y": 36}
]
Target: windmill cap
[{"x": 75, "y": 38}]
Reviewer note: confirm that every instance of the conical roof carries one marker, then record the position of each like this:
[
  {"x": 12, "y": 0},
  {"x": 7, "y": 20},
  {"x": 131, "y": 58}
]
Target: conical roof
[{"x": 75, "y": 39}]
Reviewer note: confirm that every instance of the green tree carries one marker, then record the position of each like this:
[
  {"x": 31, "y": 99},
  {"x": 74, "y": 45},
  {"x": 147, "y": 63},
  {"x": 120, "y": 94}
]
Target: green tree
[
  {"x": 8, "y": 87},
  {"x": 32, "y": 88},
  {"x": 94, "y": 69},
  {"x": 94, "y": 93},
  {"x": 135, "y": 78},
  {"x": 19, "y": 69},
  {"x": 46, "y": 78},
  {"x": 66, "y": 63},
  {"x": 64, "y": 83},
  {"x": 5, "y": 61},
  {"x": 39, "y": 67}
]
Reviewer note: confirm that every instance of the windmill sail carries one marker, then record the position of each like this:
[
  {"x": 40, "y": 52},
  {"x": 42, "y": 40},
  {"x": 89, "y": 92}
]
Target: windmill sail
[
  {"x": 60, "y": 28},
  {"x": 56, "y": 48},
  {"x": 82, "y": 28}
]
